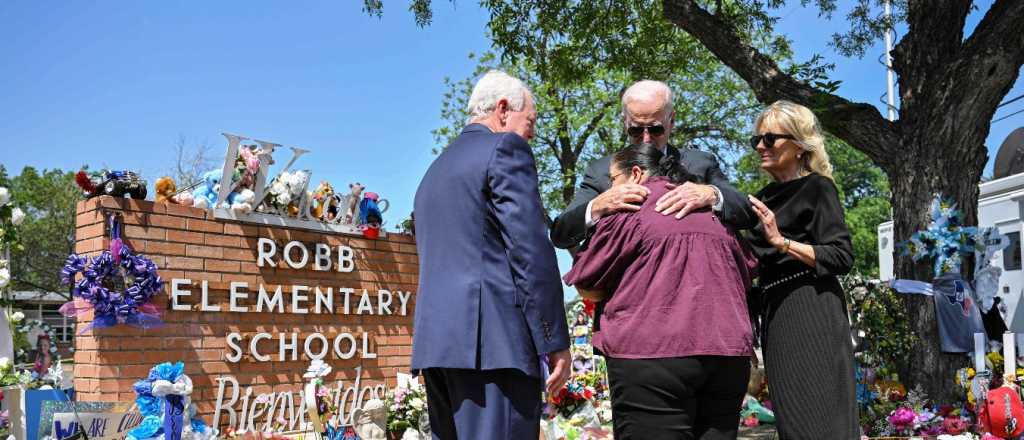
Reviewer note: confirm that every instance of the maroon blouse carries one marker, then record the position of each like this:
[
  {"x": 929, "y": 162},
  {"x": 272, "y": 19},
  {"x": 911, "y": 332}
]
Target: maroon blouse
[{"x": 678, "y": 286}]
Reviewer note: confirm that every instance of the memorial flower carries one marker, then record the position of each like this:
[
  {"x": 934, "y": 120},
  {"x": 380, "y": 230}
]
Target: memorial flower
[
  {"x": 5, "y": 196},
  {"x": 17, "y": 216}
]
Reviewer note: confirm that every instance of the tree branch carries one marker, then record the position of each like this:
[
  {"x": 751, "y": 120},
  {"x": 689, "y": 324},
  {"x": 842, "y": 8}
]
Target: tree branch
[
  {"x": 859, "y": 124},
  {"x": 581, "y": 142}
]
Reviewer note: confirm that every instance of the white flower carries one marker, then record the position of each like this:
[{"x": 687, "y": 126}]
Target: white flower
[
  {"x": 417, "y": 403},
  {"x": 4, "y": 362},
  {"x": 5, "y": 277},
  {"x": 17, "y": 316},
  {"x": 17, "y": 216},
  {"x": 5, "y": 196}
]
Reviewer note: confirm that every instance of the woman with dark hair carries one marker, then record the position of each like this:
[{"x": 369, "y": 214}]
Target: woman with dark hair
[
  {"x": 672, "y": 319},
  {"x": 43, "y": 357}
]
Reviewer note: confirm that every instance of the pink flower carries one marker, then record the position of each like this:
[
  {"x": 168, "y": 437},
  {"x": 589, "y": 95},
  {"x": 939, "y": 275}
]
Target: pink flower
[
  {"x": 954, "y": 425},
  {"x": 902, "y": 418},
  {"x": 751, "y": 421}
]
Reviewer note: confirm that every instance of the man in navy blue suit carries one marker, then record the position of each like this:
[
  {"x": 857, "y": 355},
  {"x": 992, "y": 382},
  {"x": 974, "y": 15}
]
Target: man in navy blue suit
[{"x": 489, "y": 304}]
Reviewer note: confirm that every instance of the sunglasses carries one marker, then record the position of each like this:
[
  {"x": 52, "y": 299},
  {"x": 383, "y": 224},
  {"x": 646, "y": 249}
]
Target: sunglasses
[
  {"x": 638, "y": 130},
  {"x": 769, "y": 139}
]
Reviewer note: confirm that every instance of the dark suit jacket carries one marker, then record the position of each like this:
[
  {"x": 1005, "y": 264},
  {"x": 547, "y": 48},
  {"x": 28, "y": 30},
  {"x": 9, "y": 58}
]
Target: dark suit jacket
[
  {"x": 489, "y": 295},
  {"x": 569, "y": 229}
]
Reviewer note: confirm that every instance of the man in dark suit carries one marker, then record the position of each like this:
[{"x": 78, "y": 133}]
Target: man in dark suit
[
  {"x": 490, "y": 298},
  {"x": 648, "y": 115}
]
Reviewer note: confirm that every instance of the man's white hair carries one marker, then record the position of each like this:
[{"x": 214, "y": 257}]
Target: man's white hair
[
  {"x": 493, "y": 87},
  {"x": 647, "y": 90}
]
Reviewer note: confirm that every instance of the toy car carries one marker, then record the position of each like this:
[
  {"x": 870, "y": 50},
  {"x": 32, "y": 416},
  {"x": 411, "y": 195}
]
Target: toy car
[{"x": 112, "y": 183}]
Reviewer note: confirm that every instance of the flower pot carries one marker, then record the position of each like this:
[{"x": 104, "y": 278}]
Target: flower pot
[{"x": 371, "y": 233}]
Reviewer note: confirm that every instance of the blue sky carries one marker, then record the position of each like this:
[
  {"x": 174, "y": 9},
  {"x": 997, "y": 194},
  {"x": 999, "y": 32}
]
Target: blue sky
[{"x": 115, "y": 83}]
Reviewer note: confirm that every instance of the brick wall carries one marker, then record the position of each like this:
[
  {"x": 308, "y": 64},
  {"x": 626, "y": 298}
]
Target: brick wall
[{"x": 189, "y": 243}]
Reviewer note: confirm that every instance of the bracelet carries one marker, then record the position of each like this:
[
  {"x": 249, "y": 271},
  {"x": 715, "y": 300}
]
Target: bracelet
[{"x": 785, "y": 246}]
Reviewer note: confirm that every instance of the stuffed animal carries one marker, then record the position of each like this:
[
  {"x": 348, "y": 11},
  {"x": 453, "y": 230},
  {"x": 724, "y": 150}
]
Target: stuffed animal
[
  {"x": 165, "y": 189},
  {"x": 356, "y": 190},
  {"x": 241, "y": 201},
  {"x": 205, "y": 194},
  {"x": 369, "y": 212},
  {"x": 321, "y": 199},
  {"x": 371, "y": 420}
]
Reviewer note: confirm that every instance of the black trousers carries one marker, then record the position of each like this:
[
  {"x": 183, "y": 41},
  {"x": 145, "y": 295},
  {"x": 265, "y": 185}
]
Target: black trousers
[
  {"x": 694, "y": 397},
  {"x": 482, "y": 404}
]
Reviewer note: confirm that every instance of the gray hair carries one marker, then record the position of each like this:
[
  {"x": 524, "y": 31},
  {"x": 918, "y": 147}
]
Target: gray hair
[
  {"x": 493, "y": 87},
  {"x": 647, "y": 90}
]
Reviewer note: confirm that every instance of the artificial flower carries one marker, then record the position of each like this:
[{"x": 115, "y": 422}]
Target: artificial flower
[
  {"x": 5, "y": 196},
  {"x": 902, "y": 417},
  {"x": 17, "y": 216},
  {"x": 17, "y": 316},
  {"x": 5, "y": 277}
]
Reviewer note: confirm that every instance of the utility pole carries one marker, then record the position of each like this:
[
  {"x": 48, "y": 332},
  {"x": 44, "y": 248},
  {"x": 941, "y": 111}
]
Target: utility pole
[{"x": 890, "y": 79}]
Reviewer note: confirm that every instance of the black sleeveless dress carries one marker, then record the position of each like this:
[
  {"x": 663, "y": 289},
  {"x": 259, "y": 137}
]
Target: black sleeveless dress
[{"x": 807, "y": 348}]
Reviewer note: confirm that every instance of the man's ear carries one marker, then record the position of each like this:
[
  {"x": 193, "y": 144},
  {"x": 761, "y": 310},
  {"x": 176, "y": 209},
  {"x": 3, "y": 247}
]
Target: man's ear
[{"x": 502, "y": 108}]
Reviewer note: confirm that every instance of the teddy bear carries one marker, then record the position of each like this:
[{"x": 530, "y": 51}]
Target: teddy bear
[
  {"x": 165, "y": 189},
  {"x": 356, "y": 190},
  {"x": 205, "y": 195},
  {"x": 370, "y": 213},
  {"x": 240, "y": 201}
]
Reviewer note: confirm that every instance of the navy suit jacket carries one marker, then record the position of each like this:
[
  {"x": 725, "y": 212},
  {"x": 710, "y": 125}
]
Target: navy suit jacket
[{"x": 490, "y": 295}]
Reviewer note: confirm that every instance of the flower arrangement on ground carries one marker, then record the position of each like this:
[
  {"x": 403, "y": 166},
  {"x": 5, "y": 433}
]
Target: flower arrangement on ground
[{"x": 406, "y": 404}]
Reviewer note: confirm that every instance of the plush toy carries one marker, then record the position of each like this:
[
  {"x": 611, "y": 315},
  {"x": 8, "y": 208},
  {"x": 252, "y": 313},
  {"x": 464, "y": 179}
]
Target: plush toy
[
  {"x": 241, "y": 201},
  {"x": 369, "y": 212},
  {"x": 205, "y": 195},
  {"x": 165, "y": 189},
  {"x": 356, "y": 190},
  {"x": 322, "y": 200}
]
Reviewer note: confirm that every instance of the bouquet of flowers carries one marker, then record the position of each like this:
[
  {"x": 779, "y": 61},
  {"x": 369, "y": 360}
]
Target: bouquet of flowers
[{"x": 406, "y": 404}]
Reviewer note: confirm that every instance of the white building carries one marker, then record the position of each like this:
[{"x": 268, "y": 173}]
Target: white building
[{"x": 1000, "y": 204}]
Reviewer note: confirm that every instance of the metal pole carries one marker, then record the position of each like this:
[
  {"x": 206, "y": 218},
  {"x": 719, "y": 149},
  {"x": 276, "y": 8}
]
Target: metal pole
[{"x": 889, "y": 74}]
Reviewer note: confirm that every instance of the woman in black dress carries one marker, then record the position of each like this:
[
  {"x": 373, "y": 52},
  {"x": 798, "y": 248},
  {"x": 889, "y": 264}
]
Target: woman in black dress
[{"x": 803, "y": 244}]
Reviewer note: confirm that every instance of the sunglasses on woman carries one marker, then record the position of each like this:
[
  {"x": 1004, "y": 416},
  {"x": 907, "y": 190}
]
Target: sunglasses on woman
[
  {"x": 638, "y": 130},
  {"x": 769, "y": 139}
]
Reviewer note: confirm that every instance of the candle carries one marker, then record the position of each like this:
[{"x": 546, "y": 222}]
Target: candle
[
  {"x": 979, "y": 352},
  {"x": 1010, "y": 356}
]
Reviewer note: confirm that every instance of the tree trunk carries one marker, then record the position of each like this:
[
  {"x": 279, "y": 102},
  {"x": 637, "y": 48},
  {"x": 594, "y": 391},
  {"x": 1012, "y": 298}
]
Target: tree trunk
[{"x": 913, "y": 188}]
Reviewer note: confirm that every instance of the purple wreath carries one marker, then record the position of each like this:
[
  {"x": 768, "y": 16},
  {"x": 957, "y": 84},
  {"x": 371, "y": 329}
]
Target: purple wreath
[{"x": 98, "y": 289}]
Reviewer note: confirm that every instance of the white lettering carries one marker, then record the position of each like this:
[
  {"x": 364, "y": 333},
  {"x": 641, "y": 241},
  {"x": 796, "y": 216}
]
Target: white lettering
[
  {"x": 346, "y": 259},
  {"x": 177, "y": 291},
  {"x": 262, "y": 299},
  {"x": 324, "y": 300},
  {"x": 352, "y": 345},
  {"x": 221, "y": 406},
  {"x": 233, "y": 340},
  {"x": 237, "y": 291},
  {"x": 383, "y": 302},
  {"x": 366, "y": 347},
  {"x": 288, "y": 254},
  {"x": 322, "y": 261},
  {"x": 323, "y": 346},
  {"x": 253, "y": 347},
  {"x": 364, "y": 304},
  {"x": 204, "y": 302},
  {"x": 266, "y": 249},
  {"x": 285, "y": 346},
  {"x": 403, "y": 298},
  {"x": 299, "y": 297}
]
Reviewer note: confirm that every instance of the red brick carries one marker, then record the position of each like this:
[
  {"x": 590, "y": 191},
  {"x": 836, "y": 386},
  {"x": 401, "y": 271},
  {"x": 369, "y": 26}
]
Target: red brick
[
  {"x": 185, "y": 211},
  {"x": 223, "y": 240},
  {"x": 94, "y": 244},
  {"x": 149, "y": 233},
  {"x": 237, "y": 229},
  {"x": 240, "y": 254},
  {"x": 185, "y": 263},
  {"x": 185, "y": 236},
  {"x": 193, "y": 250},
  {"x": 163, "y": 247},
  {"x": 166, "y": 221},
  {"x": 222, "y": 266},
  {"x": 205, "y": 226}
]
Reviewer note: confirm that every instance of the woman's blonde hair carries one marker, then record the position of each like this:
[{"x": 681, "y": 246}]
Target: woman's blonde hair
[{"x": 800, "y": 122}]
